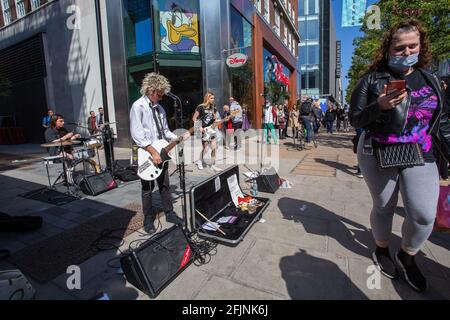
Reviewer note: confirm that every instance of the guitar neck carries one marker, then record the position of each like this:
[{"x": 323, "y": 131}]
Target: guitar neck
[{"x": 173, "y": 144}]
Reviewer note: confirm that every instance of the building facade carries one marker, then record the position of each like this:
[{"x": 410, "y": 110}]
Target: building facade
[
  {"x": 186, "y": 40},
  {"x": 317, "y": 50},
  {"x": 277, "y": 38}
]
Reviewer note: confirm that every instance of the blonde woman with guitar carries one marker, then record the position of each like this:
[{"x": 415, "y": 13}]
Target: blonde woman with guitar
[{"x": 204, "y": 117}]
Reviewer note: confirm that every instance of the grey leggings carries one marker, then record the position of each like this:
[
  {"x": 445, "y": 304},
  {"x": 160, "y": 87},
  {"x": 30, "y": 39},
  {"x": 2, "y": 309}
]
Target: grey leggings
[{"x": 419, "y": 187}]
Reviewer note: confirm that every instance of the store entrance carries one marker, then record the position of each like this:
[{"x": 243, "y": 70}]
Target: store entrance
[{"x": 187, "y": 84}]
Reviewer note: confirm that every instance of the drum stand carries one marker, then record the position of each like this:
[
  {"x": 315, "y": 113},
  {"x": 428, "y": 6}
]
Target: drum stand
[
  {"x": 63, "y": 174},
  {"x": 98, "y": 159}
]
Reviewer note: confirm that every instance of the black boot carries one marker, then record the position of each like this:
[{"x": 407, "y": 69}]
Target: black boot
[
  {"x": 382, "y": 259},
  {"x": 149, "y": 226},
  {"x": 173, "y": 218},
  {"x": 411, "y": 271}
]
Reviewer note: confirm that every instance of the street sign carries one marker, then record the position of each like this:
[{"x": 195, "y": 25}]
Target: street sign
[
  {"x": 236, "y": 60},
  {"x": 338, "y": 59}
]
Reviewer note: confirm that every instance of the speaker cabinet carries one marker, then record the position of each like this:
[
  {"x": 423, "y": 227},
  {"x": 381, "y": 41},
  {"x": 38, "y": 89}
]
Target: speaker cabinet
[
  {"x": 157, "y": 262},
  {"x": 97, "y": 184},
  {"x": 268, "y": 181}
]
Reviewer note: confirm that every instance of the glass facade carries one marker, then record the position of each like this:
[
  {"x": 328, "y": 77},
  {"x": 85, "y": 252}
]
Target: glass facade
[
  {"x": 309, "y": 50},
  {"x": 164, "y": 36},
  {"x": 241, "y": 40}
]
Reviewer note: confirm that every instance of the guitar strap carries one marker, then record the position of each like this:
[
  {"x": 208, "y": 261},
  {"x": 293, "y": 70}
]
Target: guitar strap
[{"x": 158, "y": 124}]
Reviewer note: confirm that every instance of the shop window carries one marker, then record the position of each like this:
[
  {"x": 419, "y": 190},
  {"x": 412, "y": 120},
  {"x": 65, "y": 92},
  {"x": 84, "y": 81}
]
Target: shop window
[
  {"x": 35, "y": 4},
  {"x": 266, "y": 10},
  {"x": 258, "y": 5},
  {"x": 138, "y": 27},
  {"x": 6, "y": 12},
  {"x": 241, "y": 39},
  {"x": 20, "y": 8}
]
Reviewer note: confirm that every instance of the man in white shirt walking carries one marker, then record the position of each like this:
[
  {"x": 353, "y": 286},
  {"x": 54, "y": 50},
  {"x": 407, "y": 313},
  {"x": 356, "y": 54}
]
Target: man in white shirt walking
[
  {"x": 148, "y": 124},
  {"x": 268, "y": 124},
  {"x": 237, "y": 122}
]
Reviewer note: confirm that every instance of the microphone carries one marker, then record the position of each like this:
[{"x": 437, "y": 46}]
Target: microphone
[{"x": 170, "y": 94}]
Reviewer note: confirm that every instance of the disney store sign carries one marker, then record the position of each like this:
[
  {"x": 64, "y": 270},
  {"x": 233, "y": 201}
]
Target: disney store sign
[{"x": 237, "y": 60}]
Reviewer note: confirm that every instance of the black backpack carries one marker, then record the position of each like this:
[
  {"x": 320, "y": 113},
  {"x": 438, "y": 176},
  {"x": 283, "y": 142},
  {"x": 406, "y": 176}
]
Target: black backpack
[
  {"x": 305, "y": 109},
  {"x": 126, "y": 174}
]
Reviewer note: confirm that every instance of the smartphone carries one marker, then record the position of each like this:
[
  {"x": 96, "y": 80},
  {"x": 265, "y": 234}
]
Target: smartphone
[{"x": 395, "y": 85}]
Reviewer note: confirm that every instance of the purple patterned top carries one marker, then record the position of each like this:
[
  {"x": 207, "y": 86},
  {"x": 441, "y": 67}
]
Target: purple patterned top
[{"x": 424, "y": 102}]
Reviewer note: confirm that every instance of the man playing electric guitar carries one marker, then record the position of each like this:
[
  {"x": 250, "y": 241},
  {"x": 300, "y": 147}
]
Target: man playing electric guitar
[{"x": 148, "y": 124}]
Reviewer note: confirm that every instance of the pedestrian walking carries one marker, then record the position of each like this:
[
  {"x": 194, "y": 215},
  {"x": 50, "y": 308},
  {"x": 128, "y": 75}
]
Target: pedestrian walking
[
  {"x": 294, "y": 122},
  {"x": 330, "y": 116},
  {"x": 410, "y": 117},
  {"x": 317, "y": 116},
  {"x": 268, "y": 124},
  {"x": 305, "y": 117},
  {"x": 281, "y": 121},
  {"x": 237, "y": 122}
]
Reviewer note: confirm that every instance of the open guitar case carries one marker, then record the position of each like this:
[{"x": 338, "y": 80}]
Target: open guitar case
[{"x": 212, "y": 199}]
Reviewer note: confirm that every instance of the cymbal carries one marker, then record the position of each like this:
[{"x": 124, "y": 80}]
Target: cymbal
[
  {"x": 108, "y": 123},
  {"x": 95, "y": 135},
  {"x": 58, "y": 144}
]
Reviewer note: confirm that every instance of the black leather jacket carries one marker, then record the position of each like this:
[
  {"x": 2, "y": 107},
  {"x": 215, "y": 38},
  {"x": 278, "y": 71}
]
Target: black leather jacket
[{"x": 365, "y": 112}]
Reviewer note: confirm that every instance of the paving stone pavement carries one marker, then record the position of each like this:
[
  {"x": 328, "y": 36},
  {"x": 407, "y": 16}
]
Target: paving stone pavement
[{"x": 314, "y": 241}]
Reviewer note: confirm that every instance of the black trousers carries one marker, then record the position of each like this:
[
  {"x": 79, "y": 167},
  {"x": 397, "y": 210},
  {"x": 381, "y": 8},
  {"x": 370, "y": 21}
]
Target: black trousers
[
  {"x": 237, "y": 126},
  {"x": 164, "y": 190}
]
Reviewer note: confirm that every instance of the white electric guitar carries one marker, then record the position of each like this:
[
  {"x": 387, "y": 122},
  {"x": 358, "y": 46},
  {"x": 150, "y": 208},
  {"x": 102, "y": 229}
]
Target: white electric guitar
[
  {"x": 147, "y": 170},
  {"x": 210, "y": 131}
]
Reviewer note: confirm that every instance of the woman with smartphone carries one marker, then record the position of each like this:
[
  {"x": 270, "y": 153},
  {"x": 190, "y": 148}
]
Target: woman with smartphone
[{"x": 400, "y": 106}]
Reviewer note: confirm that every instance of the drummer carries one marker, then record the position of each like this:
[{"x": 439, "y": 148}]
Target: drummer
[{"x": 56, "y": 133}]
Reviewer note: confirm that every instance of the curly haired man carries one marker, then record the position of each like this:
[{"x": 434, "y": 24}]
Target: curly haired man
[{"x": 148, "y": 124}]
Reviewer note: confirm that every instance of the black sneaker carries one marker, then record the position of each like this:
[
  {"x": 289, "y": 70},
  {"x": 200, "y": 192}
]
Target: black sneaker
[
  {"x": 384, "y": 263},
  {"x": 173, "y": 218},
  {"x": 150, "y": 228},
  {"x": 411, "y": 271}
]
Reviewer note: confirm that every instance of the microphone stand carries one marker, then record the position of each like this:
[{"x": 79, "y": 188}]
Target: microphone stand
[
  {"x": 108, "y": 145},
  {"x": 181, "y": 168}
]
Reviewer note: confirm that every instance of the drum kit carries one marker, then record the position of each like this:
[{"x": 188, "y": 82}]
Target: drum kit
[{"x": 77, "y": 164}]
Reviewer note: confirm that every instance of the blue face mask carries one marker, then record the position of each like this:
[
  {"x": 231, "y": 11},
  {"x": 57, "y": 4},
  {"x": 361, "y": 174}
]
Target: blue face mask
[{"x": 403, "y": 63}]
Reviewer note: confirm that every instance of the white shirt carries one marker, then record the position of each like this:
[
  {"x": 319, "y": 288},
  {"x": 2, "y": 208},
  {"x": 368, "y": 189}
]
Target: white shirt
[
  {"x": 142, "y": 124},
  {"x": 268, "y": 116}
]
